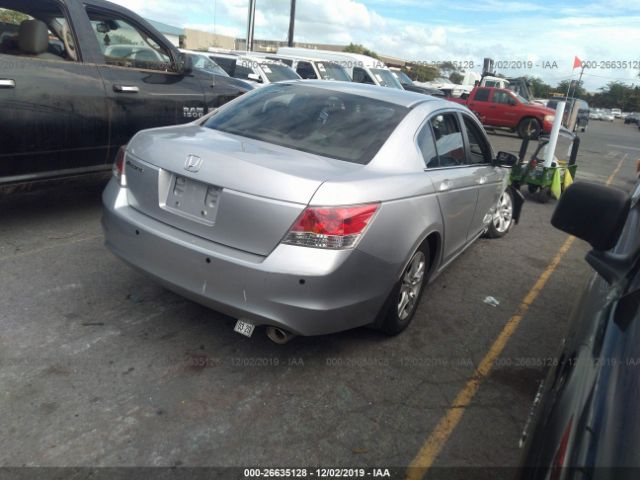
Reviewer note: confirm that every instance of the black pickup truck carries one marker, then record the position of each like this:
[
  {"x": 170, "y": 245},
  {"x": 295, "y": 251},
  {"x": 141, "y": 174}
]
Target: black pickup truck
[{"x": 78, "y": 78}]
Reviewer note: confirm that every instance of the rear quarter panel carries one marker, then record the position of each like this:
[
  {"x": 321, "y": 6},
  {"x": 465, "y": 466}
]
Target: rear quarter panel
[{"x": 396, "y": 178}]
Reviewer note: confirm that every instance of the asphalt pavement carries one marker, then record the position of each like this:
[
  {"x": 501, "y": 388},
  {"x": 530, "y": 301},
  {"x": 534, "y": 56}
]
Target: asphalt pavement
[{"x": 100, "y": 366}]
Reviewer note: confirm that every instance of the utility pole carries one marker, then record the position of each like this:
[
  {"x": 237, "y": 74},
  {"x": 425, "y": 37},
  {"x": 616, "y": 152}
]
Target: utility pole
[
  {"x": 251, "y": 24},
  {"x": 292, "y": 21}
]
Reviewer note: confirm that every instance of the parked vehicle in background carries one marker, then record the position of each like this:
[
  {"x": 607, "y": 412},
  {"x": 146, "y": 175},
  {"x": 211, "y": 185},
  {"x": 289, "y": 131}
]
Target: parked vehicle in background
[
  {"x": 310, "y": 68},
  {"x": 503, "y": 108},
  {"x": 329, "y": 173},
  {"x": 607, "y": 115},
  {"x": 445, "y": 85},
  {"x": 595, "y": 114},
  {"x": 586, "y": 422},
  {"x": 576, "y": 112},
  {"x": 582, "y": 119},
  {"x": 632, "y": 118},
  {"x": 259, "y": 70},
  {"x": 361, "y": 68},
  {"x": 411, "y": 86},
  {"x": 71, "y": 92},
  {"x": 616, "y": 112},
  {"x": 202, "y": 62},
  {"x": 473, "y": 79}
]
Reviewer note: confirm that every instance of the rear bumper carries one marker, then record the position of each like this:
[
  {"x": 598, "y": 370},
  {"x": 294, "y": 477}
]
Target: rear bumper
[{"x": 305, "y": 290}]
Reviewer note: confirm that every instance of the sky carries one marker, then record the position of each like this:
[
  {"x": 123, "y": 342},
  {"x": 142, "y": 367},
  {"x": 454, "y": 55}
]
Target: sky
[{"x": 546, "y": 33}]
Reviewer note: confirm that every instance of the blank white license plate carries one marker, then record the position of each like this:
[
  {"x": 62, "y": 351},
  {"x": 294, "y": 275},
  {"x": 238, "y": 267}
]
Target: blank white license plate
[{"x": 244, "y": 328}]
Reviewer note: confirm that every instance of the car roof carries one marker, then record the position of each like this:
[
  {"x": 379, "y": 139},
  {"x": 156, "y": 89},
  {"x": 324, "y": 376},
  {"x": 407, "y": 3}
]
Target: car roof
[
  {"x": 304, "y": 58},
  {"x": 242, "y": 56},
  {"x": 331, "y": 55},
  {"x": 403, "y": 98}
]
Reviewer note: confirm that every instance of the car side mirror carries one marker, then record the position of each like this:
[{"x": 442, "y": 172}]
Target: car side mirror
[
  {"x": 596, "y": 214},
  {"x": 185, "y": 64},
  {"x": 506, "y": 159},
  {"x": 255, "y": 77}
]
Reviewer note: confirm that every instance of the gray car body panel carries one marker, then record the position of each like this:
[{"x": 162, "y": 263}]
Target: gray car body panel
[{"x": 263, "y": 188}]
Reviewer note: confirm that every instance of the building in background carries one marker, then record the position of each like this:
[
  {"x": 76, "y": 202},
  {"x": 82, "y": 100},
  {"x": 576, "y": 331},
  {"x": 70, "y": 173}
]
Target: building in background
[
  {"x": 199, "y": 40},
  {"x": 192, "y": 39},
  {"x": 273, "y": 45}
]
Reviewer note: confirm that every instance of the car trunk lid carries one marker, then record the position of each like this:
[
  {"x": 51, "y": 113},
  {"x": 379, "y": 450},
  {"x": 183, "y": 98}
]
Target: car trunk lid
[{"x": 232, "y": 190}]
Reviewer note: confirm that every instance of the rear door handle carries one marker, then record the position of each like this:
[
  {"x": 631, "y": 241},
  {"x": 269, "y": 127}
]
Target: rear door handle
[
  {"x": 7, "y": 83},
  {"x": 482, "y": 180},
  {"x": 445, "y": 185},
  {"x": 126, "y": 89}
]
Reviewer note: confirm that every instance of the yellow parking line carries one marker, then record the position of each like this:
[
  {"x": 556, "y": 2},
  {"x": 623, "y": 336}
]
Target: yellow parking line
[
  {"x": 440, "y": 435},
  {"x": 617, "y": 169}
]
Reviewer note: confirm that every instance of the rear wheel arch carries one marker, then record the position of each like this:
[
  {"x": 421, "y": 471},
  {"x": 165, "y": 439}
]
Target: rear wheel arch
[{"x": 433, "y": 241}]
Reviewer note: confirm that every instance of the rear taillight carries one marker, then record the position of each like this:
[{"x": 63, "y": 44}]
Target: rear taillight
[
  {"x": 118, "y": 166},
  {"x": 331, "y": 227}
]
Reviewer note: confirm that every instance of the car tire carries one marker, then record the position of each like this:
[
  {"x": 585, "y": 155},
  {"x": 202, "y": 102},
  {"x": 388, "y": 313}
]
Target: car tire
[
  {"x": 402, "y": 303},
  {"x": 502, "y": 220},
  {"x": 529, "y": 128}
]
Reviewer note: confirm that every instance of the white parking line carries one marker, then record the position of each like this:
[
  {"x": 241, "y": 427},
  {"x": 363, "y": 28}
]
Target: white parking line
[{"x": 623, "y": 146}]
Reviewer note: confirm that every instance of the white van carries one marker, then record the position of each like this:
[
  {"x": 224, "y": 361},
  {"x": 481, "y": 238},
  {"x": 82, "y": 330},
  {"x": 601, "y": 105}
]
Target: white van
[
  {"x": 361, "y": 68},
  {"x": 253, "y": 68},
  {"x": 310, "y": 68}
]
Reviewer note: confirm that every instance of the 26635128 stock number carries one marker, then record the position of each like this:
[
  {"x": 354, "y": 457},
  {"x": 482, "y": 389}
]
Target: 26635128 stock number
[{"x": 316, "y": 473}]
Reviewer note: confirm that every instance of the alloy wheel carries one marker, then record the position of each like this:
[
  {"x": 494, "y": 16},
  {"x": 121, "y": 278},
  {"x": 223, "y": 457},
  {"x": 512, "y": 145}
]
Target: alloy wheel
[
  {"x": 504, "y": 213},
  {"x": 411, "y": 285}
]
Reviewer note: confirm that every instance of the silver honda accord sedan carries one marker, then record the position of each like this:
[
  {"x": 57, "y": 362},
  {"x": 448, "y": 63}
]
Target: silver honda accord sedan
[{"x": 309, "y": 207}]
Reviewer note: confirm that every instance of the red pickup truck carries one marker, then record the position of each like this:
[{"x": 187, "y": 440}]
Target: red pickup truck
[{"x": 500, "y": 107}]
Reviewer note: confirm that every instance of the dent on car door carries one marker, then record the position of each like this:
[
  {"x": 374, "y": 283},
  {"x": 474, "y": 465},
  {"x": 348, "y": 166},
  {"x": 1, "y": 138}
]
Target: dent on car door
[
  {"x": 144, "y": 86},
  {"x": 442, "y": 146},
  {"x": 488, "y": 178},
  {"x": 52, "y": 104}
]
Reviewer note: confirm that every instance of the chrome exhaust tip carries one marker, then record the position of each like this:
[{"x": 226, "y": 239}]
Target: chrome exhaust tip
[{"x": 279, "y": 335}]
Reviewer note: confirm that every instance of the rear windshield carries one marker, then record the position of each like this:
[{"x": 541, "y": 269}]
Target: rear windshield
[{"x": 323, "y": 122}]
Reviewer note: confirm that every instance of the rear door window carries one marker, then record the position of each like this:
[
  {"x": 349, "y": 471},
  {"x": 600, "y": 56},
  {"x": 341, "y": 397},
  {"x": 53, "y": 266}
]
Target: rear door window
[
  {"x": 482, "y": 95},
  {"x": 59, "y": 43},
  {"x": 503, "y": 97},
  {"x": 448, "y": 137},
  {"x": 479, "y": 150},
  {"x": 427, "y": 147}
]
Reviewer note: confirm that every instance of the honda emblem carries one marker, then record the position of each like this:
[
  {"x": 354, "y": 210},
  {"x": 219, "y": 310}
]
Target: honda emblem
[{"x": 193, "y": 163}]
